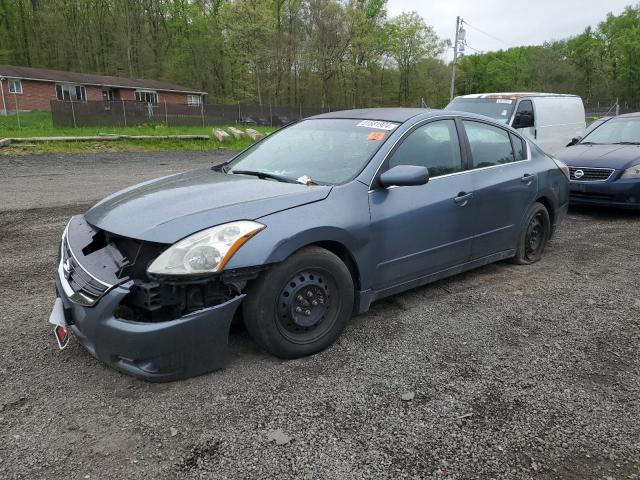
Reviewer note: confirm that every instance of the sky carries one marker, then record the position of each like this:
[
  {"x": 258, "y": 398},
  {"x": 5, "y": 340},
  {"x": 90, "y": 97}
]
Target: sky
[{"x": 512, "y": 23}]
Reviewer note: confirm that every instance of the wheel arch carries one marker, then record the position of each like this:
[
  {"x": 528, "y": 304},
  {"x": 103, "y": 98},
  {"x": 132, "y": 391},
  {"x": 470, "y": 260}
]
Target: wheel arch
[
  {"x": 340, "y": 242},
  {"x": 344, "y": 254},
  {"x": 548, "y": 204}
]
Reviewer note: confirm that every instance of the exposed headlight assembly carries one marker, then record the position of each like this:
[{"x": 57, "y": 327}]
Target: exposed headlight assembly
[
  {"x": 632, "y": 172},
  {"x": 207, "y": 251}
]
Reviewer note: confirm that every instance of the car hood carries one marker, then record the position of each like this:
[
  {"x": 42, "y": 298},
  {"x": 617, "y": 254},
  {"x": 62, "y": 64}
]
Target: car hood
[
  {"x": 619, "y": 157},
  {"x": 168, "y": 209}
]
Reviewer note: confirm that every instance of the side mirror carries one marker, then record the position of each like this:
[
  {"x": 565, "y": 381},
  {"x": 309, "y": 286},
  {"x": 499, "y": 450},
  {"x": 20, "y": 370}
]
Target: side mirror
[
  {"x": 404, "y": 176},
  {"x": 574, "y": 141},
  {"x": 523, "y": 120}
]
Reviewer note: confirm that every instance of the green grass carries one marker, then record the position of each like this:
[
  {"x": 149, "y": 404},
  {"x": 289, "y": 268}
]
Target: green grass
[{"x": 39, "y": 124}]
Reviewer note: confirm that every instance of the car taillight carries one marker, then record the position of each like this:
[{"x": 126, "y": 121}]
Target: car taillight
[{"x": 562, "y": 166}]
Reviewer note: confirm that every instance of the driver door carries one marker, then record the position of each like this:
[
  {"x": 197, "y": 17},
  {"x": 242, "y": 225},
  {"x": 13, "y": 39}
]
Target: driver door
[
  {"x": 422, "y": 230},
  {"x": 525, "y": 115}
]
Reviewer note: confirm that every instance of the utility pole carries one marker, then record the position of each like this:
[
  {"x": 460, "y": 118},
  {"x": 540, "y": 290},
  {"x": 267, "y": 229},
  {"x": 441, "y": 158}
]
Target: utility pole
[{"x": 458, "y": 46}]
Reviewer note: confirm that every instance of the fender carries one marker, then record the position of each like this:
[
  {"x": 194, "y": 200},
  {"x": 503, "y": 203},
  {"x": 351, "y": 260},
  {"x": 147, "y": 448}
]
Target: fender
[
  {"x": 343, "y": 217},
  {"x": 286, "y": 247}
]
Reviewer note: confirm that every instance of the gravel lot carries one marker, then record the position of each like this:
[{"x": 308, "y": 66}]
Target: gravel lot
[{"x": 516, "y": 372}]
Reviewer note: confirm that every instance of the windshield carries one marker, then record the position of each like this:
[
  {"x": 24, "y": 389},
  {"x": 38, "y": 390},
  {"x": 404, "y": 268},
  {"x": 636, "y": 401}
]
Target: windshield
[
  {"x": 319, "y": 150},
  {"x": 497, "y": 108},
  {"x": 616, "y": 130},
  {"x": 592, "y": 126}
]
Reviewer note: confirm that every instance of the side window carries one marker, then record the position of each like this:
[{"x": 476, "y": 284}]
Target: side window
[
  {"x": 519, "y": 147},
  {"x": 434, "y": 145},
  {"x": 489, "y": 145},
  {"x": 524, "y": 115}
]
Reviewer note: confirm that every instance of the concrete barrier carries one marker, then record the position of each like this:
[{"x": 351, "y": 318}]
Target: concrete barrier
[
  {"x": 236, "y": 132},
  {"x": 254, "y": 134},
  {"x": 220, "y": 135}
]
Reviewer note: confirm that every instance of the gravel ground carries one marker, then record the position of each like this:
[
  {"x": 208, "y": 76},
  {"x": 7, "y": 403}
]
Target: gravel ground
[{"x": 503, "y": 372}]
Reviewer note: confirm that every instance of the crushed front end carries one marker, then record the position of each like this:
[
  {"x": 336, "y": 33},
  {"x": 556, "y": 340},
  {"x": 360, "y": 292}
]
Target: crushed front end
[{"x": 155, "y": 328}]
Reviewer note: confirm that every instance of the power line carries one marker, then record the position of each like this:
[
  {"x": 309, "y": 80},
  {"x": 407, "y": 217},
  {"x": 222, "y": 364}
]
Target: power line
[
  {"x": 498, "y": 59},
  {"x": 474, "y": 49},
  {"x": 488, "y": 34}
]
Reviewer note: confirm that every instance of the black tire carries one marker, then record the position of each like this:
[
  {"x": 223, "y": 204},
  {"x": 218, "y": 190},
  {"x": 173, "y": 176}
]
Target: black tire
[
  {"x": 534, "y": 235},
  {"x": 300, "y": 306}
]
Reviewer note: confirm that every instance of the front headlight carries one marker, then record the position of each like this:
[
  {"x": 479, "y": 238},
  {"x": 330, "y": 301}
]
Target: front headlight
[
  {"x": 632, "y": 172},
  {"x": 207, "y": 251}
]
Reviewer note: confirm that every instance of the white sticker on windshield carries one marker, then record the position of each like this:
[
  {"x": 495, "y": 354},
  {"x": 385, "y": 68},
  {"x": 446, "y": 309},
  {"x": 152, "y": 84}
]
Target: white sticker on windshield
[
  {"x": 504, "y": 113},
  {"x": 378, "y": 125},
  {"x": 504, "y": 100}
]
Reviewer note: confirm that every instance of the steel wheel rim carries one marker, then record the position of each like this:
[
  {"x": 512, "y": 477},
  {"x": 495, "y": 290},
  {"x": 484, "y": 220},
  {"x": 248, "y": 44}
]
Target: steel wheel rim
[
  {"x": 535, "y": 236},
  {"x": 307, "y": 305}
]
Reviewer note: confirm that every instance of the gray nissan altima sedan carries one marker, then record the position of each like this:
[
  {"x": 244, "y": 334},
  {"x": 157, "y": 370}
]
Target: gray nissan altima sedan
[{"x": 298, "y": 233}]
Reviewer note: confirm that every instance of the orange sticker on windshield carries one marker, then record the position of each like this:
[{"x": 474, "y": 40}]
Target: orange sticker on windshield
[{"x": 376, "y": 136}]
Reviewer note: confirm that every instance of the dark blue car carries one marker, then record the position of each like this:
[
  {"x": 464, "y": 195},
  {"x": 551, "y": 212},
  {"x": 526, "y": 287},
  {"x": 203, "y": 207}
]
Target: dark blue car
[
  {"x": 298, "y": 233},
  {"x": 605, "y": 164}
]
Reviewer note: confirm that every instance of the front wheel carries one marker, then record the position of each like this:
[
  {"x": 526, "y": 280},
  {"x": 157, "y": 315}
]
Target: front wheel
[
  {"x": 300, "y": 306},
  {"x": 534, "y": 235}
]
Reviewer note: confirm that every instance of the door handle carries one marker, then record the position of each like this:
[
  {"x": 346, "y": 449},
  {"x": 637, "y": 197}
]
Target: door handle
[
  {"x": 527, "y": 178},
  {"x": 463, "y": 198}
]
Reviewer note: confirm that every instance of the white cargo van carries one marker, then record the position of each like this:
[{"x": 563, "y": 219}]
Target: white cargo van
[{"x": 549, "y": 119}]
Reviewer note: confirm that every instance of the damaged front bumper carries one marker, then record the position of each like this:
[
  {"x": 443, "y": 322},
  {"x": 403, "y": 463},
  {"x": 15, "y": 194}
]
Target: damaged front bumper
[{"x": 157, "y": 351}]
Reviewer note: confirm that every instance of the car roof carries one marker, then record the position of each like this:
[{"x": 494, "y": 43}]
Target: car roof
[
  {"x": 400, "y": 115},
  {"x": 515, "y": 95},
  {"x": 627, "y": 115}
]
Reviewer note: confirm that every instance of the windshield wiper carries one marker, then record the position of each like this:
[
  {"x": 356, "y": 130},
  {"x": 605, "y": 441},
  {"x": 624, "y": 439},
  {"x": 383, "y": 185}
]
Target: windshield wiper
[
  {"x": 263, "y": 175},
  {"x": 627, "y": 143},
  {"x": 221, "y": 167}
]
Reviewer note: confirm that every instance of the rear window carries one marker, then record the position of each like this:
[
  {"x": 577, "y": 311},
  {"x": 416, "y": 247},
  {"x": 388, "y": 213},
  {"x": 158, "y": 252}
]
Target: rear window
[{"x": 490, "y": 145}]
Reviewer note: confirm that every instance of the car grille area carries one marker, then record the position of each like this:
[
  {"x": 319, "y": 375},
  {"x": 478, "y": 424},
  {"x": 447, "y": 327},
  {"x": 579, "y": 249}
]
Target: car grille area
[
  {"x": 89, "y": 265},
  {"x": 583, "y": 174},
  {"x": 85, "y": 286}
]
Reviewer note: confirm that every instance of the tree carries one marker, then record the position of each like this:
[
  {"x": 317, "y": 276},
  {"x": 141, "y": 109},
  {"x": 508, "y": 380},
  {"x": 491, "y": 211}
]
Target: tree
[
  {"x": 410, "y": 40},
  {"x": 585, "y": 51},
  {"x": 328, "y": 41}
]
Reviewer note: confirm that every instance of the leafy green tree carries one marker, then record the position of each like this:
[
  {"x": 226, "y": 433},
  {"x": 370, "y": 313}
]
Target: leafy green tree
[{"x": 410, "y": 40}]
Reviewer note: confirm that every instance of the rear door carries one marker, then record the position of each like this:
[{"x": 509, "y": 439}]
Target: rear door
[
  {"x": 424, "y": 229},
  {"x": 504, "y": 186}
]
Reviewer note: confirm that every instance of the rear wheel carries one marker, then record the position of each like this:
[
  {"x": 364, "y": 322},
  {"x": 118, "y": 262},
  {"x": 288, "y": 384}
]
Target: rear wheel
[
  {"x": 534, "y": 235},
  {"x": 300, "y": 306}
]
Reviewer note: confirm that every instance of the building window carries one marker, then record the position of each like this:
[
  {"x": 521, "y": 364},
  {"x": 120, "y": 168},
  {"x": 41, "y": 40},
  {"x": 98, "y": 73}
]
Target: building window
[
  {"x": 147, "y": 96},
  {"x": 71, "y": 93},
  {"x": 15, "y": 85},
  {"x": 108, "y": 94},
  {"x": 194, "y": 100}
]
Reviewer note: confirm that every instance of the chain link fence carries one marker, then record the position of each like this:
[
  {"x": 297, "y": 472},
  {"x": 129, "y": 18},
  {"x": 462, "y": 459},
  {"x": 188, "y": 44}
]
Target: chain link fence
[
  {"x": 596, "y": 110},
  {"x": 119, "y": 113}
]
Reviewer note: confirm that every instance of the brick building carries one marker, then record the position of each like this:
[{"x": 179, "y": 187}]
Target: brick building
[{"x": 34, "y": 88}]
